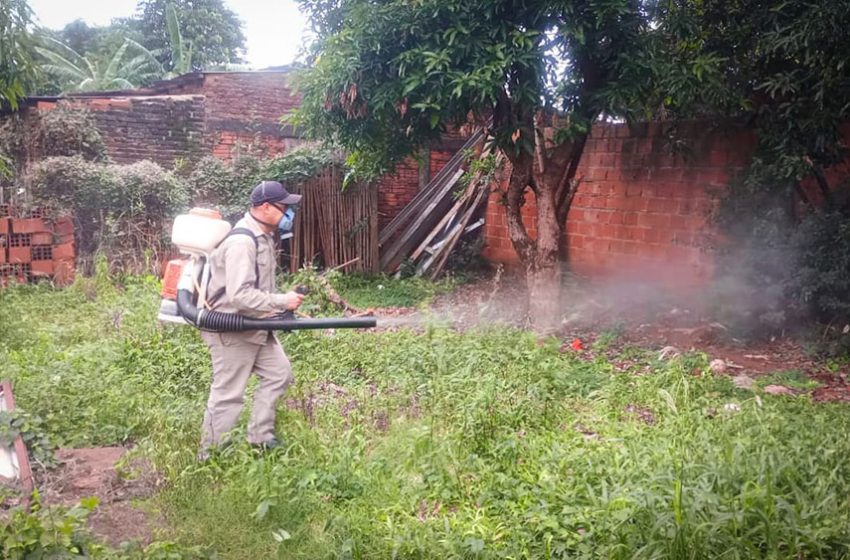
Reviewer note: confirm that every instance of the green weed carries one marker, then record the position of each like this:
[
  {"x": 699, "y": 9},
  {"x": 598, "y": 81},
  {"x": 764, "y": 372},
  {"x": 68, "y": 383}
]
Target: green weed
[{"x": 440, "y": 444}]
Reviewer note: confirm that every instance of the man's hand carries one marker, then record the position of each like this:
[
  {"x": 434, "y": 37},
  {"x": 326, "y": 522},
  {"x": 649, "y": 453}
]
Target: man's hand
[{"x": 293, "y": 300}]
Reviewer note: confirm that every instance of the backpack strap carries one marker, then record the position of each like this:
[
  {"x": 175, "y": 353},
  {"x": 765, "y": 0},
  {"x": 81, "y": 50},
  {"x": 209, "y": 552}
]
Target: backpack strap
[{"x": 239, "y": 231}]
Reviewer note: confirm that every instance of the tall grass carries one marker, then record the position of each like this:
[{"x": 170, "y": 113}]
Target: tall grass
[{"x": 438, "y": 444}]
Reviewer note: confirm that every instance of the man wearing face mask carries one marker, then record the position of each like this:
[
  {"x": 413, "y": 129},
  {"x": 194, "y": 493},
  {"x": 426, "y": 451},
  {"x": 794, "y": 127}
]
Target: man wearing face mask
[{"x": 242, "y": 281}]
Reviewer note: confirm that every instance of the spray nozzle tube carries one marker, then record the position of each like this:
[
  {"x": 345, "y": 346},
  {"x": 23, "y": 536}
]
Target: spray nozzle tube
[{"x": 218, "y": 321}]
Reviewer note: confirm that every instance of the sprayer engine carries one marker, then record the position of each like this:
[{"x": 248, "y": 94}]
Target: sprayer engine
[{"x": 185, "y": 283}]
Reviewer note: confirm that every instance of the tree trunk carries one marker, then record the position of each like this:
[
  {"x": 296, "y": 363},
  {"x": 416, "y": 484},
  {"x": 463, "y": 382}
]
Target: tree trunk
[
  {"x": 543, "y": 272},
  {"x": 544, "y": 295},
  {"x": 539, "y": 257}
]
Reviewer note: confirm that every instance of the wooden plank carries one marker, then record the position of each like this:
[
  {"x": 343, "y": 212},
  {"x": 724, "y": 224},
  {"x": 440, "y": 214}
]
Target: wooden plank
[
  {"x": 456, "y": 235},
  {"x": 426, "y": 193},
  {"x": 481, "y": 197},
  {"x": 440, "y": 227},
  {"x": 395, "y": 254}
]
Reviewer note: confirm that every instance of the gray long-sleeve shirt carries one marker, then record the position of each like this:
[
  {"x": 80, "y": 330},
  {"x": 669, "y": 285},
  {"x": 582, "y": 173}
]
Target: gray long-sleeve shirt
[{"x": 232, "y": 269}]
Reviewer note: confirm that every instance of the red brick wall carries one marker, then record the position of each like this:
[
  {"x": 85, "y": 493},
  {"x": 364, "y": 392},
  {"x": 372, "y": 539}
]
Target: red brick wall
[
  {"x": 439, "y": 158},
  {"x": 161, "y": 128},
  {"x": 195, "y": 115},
  {"x": 246, "y": 108},
  {"x": 245, "y": 96},
  {"x": 638, "y": 206},
  {"x": 396, "y": 190},
  {"x": 225, "y": 144}
]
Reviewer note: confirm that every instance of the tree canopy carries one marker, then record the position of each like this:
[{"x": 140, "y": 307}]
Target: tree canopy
[
  {"x": 213, "y": 30},
  {"x": 386, "y": 77},
  {"x": 17, "y": 70}
]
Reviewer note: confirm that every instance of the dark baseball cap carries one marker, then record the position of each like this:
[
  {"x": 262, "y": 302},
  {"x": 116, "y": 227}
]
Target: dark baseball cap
[{"x": 272, "y": 191}]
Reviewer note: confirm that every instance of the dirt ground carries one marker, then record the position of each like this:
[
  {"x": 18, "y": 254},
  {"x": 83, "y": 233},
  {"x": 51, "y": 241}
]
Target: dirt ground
[
  {"x": 630, "y": 315},
  {"x": 97, "y": 472}
]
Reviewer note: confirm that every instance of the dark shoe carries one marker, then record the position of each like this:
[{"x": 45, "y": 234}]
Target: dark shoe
[
  {"x": 205, "y": 454},
  {"x": 269, "y": 445}
]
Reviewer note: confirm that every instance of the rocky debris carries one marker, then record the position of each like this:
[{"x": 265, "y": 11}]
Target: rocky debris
[
  {"x": 743, "y": 381},
  {"x": 778, "y": 390}
]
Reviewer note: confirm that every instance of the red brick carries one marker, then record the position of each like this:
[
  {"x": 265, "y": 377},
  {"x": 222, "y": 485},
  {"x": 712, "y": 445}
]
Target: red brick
[
  {"x": 4, "y": 226},
  {"x": 21, "y": 255},
  {"x": 28, "y": 225},
  {"x": 617, "y": 203},
  {"x": 606, "y": 231},
  {"x": 634, "y": 189},
  {"x": 65, "y": 251},
  {"x": 64, "y": 226},
  {"x": 682, "y": 238},
  {"x": 654, "y": 220},
  {"x": 616, "y": 218},
  {"x": 42, "y": 238},
  {"x": 63, "y": 272},
  {"x": 42, "y": 268}
]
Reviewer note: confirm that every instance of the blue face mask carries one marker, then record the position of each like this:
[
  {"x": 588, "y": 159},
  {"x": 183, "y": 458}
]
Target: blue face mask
[{"x": 287, "y": 220}]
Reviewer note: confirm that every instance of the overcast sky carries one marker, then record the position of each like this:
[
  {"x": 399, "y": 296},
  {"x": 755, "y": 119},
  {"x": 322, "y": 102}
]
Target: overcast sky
[{"x": 273, "y": 28}]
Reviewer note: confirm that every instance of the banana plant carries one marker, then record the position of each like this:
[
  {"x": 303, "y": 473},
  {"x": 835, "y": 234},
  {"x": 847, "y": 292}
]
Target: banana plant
[
  {"x": 130, "y": 66},
  {"x": 181, "y": 50}
]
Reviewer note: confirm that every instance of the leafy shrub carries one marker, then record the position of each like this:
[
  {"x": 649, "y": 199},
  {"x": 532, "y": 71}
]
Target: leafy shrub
[
  {"x": 68, "y": 131},
  {"x": 782, "y": 276},
  {"x": 122, "y": 210},
  {"x": 31, "y": 430},
  {"x": 227, "y": 185},
  {"x": 54, "y": 532},
  {"x": 785, "y": 265},
  {"x": 62, "y": 131},
  {"x": 223, "y": 185}
]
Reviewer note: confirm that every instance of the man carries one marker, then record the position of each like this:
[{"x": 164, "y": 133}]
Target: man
[{"x": 242, "y": 281}]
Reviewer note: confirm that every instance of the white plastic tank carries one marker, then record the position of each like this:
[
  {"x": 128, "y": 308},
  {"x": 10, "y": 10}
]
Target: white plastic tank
[{"x": 199, "y": 232}]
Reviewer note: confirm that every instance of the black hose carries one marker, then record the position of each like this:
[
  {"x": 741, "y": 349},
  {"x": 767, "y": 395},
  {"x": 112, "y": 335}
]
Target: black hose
[{"x": 218, "y": 321}]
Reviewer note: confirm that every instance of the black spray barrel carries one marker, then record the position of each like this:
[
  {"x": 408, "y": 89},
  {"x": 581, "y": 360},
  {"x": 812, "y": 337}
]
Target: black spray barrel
[{"x": 218, "y": 321}]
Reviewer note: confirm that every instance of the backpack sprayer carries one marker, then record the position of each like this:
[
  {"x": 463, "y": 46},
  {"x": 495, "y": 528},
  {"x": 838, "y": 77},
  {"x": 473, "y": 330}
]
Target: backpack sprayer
[{"x": 185, "y": 283}]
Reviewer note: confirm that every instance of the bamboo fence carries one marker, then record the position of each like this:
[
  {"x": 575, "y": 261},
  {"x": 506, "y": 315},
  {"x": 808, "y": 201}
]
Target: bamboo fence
[{"x": 335, "y": 226}]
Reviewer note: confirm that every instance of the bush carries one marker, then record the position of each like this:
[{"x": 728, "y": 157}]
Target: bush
[
  {"x": 783, "y": 268},
  {"x": 68, "y": 131},
  {"x": 227, "y": 185},
  {"x": 121, "y": 210},
  {"x": 63, "y": 131},
  {"x": 223, "y": 185}
]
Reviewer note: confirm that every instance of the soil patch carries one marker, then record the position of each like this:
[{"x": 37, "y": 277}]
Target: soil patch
[{"x": 92, "y": 472}]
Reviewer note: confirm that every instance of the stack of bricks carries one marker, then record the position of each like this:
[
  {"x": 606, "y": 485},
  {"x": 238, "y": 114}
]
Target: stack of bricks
[{"x": 33, "y": 248}]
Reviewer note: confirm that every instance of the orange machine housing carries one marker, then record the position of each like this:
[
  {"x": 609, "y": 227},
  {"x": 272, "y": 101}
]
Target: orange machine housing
[{"x": 171, "y": 278}]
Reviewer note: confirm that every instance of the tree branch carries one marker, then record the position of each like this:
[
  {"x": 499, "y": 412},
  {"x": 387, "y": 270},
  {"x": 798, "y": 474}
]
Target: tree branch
[
  {"x": 519, "y": 181},
  {"x": 802, "y": 194},
  {"x": 568, "y": 186},
  {"x": 823, "y": 184}
]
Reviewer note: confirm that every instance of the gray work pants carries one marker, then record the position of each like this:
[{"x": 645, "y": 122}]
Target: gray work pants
[{"x": 234, "y": 358}]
